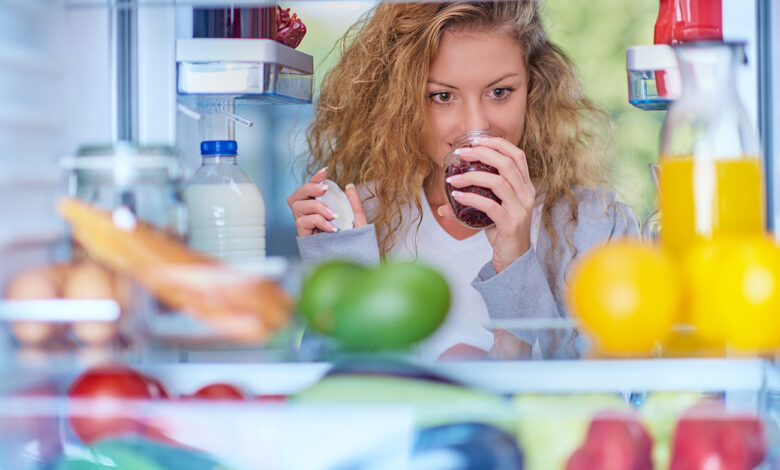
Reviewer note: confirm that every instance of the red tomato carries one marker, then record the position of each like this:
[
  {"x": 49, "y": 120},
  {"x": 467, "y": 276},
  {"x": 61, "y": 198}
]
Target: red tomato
[
  {"x": 219, "y": 391},
  {"x": 106, "y": 387},
  {"x": 157, "y": 388},
  {"x": 271, "y": 398}
]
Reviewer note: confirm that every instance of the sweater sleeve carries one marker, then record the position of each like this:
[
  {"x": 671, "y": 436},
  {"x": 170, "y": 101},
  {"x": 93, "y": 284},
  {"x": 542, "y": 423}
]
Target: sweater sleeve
[
  {"x": 523, "y": 291},
  {"x": 357, "y": 244}
]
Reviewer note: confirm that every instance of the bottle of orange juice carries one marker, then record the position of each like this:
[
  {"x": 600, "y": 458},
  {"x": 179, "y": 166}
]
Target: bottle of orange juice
[{"x": 711, "y": 174}]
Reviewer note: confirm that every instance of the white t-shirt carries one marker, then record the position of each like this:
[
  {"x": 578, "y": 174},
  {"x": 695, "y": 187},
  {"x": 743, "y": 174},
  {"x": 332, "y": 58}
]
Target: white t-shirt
[{"x": 459, "y": 261}]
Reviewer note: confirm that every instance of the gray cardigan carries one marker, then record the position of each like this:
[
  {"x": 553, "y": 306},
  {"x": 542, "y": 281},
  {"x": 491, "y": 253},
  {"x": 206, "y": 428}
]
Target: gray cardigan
[{"x": 522, "y": 290}]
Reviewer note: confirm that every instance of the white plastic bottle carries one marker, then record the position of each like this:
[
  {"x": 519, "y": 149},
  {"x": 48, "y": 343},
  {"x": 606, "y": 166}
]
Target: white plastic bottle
[{"x": 226, "y": 209}]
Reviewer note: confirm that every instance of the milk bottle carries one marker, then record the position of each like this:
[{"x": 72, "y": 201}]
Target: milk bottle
[{"x": 226, "y": 210}]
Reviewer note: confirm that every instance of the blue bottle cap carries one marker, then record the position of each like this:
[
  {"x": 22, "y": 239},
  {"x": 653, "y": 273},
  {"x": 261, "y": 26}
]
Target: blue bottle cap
[{"x": 218, "y": 147}]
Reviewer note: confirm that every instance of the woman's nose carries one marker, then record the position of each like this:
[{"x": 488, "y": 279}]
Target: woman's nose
[{"x": 475, "y": 116}]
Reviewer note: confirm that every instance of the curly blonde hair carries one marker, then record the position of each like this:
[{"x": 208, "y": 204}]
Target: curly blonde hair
[{"x": 370, "y": 122}]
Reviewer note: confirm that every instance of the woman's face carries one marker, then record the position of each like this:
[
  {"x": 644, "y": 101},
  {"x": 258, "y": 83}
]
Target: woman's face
[{"x": 477, "y": 81}]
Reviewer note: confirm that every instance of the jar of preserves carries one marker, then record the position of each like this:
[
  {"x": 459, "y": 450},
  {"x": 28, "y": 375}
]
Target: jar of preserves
[{"x": 454, "y": 165}]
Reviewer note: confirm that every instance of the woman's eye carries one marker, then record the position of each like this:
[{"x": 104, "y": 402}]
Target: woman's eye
[
  {"x": 441, "y": 97},
  {"x": 500, "y": 92}
]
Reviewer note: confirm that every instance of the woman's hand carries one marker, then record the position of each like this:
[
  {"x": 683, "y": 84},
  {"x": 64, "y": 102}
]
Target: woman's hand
[
  {"x": 510, "y": 237},
  {"x": 313, "y": 216},
  {"x": 507, "y": 346},
  {"x": 463, "y": 352}
]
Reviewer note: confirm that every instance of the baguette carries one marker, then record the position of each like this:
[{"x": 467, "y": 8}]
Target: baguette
[{"x": 241, "y": 306}]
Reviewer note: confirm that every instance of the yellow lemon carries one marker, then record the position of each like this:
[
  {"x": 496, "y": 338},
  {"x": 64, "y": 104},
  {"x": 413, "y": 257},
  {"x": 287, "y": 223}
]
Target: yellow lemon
[
  {"x": 700, "y": 267},
  {"x": 747, "y": 294},
  {"x": 626, "y": 295}
]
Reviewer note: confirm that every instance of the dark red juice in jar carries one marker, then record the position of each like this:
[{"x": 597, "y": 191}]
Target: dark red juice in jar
[
  {"x": 453, "y": 165},
  {"x": 234, "y": 22}
]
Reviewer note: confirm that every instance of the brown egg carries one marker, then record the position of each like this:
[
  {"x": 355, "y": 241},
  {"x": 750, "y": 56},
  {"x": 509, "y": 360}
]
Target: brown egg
[
  {"x": 95, "y": 332},
  {"x": 90, "y": 281},
  {"x": 34, "y": 333},
  {"x": 36, "y": 283},
  {"x": 44, "y": 282}
]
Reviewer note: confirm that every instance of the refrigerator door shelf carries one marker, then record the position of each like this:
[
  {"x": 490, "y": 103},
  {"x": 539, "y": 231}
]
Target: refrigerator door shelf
[
  {"x": 254, "y": 69},
  {"x": 653, "y": 76}
]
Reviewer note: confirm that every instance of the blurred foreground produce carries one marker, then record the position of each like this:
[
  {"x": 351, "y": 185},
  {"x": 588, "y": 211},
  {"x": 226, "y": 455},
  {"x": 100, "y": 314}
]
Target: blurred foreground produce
[
  {"x": 389, "y": 307},
  {"x": 659, "y": 412},
  {"x": 219, "y": 391},
  {"x": 474, "y": 445},
  {"x": 240, "y": 306},
  {"x": 708, "y": 437},
  {"x": 615, "y": 441},
  {"x": 721, "y": 295},
  {"x": 557, "y": 424},
  {"x": 436, "y": 400},
  {"x": 110, "y": 385},
  {"x": 627, "y": 296},
  {"x": 734, "y": 293},
  {"x": 135, "y": 453}
]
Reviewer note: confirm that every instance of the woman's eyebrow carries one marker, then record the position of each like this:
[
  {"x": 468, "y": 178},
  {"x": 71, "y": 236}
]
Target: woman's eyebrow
[
  {"x": 434, "y": 82},
  {"x": 503, "y": 77},
  {"x": 511, "y": 74}
]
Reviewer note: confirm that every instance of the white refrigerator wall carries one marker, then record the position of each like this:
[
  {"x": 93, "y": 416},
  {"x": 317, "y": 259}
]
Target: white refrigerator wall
[
  {"x": 32, "y": 130},
  {"x": 739, "y": 24},
  {"x": 88, "y": 77}
]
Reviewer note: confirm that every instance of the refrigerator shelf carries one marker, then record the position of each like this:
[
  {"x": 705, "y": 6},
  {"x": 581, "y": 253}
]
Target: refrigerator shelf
[
  {"x": 59, "y": 310},
  {"x": 251, "y": 69}
]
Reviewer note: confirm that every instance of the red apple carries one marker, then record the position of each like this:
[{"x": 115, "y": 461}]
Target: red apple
[
  {"x": 219, "y": 391},
  {"x": 707, "y": 437},
  {"x": 614, "y": 441}
]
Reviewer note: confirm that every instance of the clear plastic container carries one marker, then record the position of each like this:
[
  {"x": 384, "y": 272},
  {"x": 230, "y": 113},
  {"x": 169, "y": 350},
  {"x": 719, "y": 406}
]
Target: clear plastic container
[
  {"x": 653, "y": 77},
  {"x": 453, "y": 165},
  {"x": 226, "y": 209}
]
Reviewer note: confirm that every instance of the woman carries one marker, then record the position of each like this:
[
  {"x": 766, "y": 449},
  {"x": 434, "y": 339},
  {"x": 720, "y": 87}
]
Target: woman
[{"x": 412, "y": 78}]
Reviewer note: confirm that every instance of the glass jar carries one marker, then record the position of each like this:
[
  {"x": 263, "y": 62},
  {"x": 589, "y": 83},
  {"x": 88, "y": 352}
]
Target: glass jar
[
  {"x": 711, "y": 179},
  {"x": 144, "y": 180},
  {"x": 234, "y": 22},
  {"x": 453, "y": 165}
]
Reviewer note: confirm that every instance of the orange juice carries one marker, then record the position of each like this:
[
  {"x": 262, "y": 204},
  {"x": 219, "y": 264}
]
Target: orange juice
[{"x": 707, "y": 199}]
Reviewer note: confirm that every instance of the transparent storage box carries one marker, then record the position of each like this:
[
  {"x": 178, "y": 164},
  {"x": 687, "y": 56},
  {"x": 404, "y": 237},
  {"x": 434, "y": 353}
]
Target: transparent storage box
[
  {"x": 653, "y": 76},
  {"x": 260, "y": 69}
]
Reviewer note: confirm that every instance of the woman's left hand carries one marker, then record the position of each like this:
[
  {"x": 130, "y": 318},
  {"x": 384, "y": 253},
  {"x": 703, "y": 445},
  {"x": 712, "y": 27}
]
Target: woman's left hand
[{"x": 510, "y": 237}]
